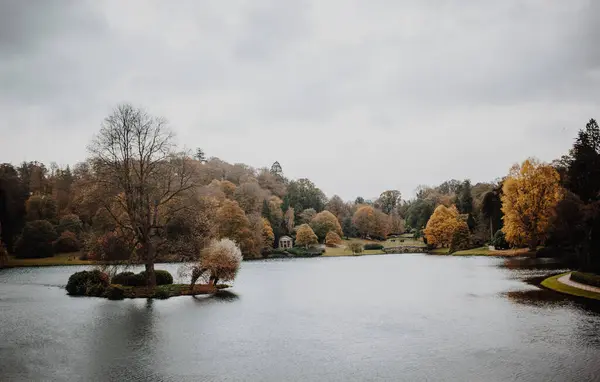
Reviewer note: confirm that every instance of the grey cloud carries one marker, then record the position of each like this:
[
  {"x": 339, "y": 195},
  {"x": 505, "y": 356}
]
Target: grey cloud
[{"x": 359, "y": 90}]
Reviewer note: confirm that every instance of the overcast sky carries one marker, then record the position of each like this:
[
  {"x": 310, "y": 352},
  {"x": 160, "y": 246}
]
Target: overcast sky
[{"x": 358, "y": 96}]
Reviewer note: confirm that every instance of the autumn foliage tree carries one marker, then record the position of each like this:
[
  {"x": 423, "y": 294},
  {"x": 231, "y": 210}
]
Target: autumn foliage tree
[
  {"x": 232, "y": 223},
  {"x": 530, "y": 194},
  {"x": 305, "y": 236},
  {"x": 220, "y": 261},
  {"x": 332, "y": 239},
  {"x": 441, "y": 226},
  {"x": 371, "y": 222},
  {"x": 325, "y": 222},
  {"x": 268, "y": 237}
]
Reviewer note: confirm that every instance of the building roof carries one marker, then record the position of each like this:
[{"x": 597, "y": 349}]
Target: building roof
[{"x": 285, "y": 238}]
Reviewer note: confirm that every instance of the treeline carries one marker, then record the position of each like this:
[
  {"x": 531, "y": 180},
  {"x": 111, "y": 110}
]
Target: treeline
[
  {"x": 555, "y": 205},
  {"x": 137, "y": 198}
]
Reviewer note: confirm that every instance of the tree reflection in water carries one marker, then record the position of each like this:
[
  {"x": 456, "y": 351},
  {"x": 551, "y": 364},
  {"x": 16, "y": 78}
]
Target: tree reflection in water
[{"x": 123, "y": 345}]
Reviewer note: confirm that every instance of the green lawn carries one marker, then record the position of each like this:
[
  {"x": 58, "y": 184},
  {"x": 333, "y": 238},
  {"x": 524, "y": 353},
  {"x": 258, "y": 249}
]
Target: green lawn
[
  {"x": 553, "y": 284},
  {"x": 60, "y": 259},
  {"x": 342, "y": 251},
  {"x": 408, "y": 242}
]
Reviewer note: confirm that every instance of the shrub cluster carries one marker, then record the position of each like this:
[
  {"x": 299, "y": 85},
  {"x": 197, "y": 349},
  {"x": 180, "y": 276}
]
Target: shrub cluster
[
  {"x": 371, "y": 246},
  {"x": 66, "y": 243},
  {"x": 586, "y": 278},
  {"x": 87, "y": 283},
  {"x": 499, "y": 240},
  {"x": 115, "y": 292},
  {"x": 305, "y": 252},
  {"x": 131, "y": 279},
  {"x": 36, "y": 240}
]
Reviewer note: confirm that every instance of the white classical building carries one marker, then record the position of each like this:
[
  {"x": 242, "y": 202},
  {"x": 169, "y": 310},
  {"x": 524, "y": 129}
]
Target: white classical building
[{"x": 285, "y": 242}]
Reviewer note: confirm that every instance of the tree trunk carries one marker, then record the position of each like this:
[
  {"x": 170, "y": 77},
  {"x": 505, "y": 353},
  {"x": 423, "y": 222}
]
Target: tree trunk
[
  {"x": 148, "y": 257},
  {"x": 150, "y": 275},
  {"x": 491, "y": 230}
]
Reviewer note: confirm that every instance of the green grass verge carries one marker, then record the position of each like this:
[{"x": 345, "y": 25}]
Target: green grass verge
[
  {"x": 60, "y": 259},
  {"x": 552, "y": 283}
]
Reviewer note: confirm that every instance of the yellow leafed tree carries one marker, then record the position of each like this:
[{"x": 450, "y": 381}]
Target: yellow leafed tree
[
  {"x": 441, "y": 226},
  {"x": 305, "y": 236},
  {"x": 530, "y": 194},
  {"x": 267, "y": 234}
]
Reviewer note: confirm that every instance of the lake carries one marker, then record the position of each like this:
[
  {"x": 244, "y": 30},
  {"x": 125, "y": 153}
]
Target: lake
[{"x": 387, "y": 317}]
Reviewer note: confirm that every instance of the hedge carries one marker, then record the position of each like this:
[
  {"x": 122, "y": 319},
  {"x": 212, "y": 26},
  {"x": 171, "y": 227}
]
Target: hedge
[
  {"x": 586, "y": 278},
  {"x": 131, "y": 279},
  {"x": 371, "y": 246}
]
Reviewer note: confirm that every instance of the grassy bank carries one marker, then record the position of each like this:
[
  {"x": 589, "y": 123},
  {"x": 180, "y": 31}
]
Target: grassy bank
[
  {"x": 60, "y": 259},
  {"x": 389, "y": 243},
  {"x": 484, "y": 251},
  {"x": 552, "y": 283}
]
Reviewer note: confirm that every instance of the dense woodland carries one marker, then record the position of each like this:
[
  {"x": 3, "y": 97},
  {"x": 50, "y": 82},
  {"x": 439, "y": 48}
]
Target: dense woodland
[{"x": 138, "y": 198}]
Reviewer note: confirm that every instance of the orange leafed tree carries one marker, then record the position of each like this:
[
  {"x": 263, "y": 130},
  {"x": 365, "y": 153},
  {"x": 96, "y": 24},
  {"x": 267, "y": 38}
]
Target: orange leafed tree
[
  {"x": 305, "y": 236},
  {"x": 232, "y": 223},
  {"x": 268, "y": 237},
  {"x": 364, "y": 220},
  {"x": 324, "y": 222},
  {"x": 530, "y": 194},
  {"x": 441, "y": 226},
  {"x": 332, "y": 239}
]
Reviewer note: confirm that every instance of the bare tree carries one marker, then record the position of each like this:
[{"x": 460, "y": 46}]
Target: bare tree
[{"x": 135, "y": 159}]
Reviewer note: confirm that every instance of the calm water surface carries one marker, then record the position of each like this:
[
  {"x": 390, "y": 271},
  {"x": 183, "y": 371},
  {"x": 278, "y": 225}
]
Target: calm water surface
[{"x": 389, "y": 318}]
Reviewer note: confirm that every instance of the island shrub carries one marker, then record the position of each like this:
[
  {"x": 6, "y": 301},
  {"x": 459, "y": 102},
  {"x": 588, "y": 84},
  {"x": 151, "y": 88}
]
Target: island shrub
[
  {"x": 36, "y": 240},
  {"x": 586, "y": 278},
  {"x": 115, "y": 292},
  {"x": 373, "y": 246},
  {"x": 122, "y": 278},
  {"x": 131, "y": 279},
  {"x": 87, "y": 283},
  {"x": 161, "y": 294},
  {"x": 66, "y": 243},
  {"x": 499, "y": 240},
  {"x": 162, "y": 278}
]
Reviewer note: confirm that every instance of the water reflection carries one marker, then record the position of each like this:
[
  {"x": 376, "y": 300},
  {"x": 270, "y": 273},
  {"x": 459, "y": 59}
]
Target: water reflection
[
  {"x": 123, "y": 341},
  {"x": 221, "y": 296},
  {"x": 531, "y": 263}
]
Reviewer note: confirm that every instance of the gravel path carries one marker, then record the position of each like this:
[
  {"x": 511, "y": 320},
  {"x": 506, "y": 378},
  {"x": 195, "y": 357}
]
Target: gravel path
[{"x": 566, "y": 279}]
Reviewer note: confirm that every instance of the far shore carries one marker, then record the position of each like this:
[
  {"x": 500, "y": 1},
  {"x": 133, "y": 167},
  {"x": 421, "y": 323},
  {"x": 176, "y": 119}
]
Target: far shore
[{"x": 66, "y": 259}]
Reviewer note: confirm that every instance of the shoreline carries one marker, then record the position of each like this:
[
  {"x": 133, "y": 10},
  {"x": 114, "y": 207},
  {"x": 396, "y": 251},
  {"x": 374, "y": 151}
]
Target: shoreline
[
  {"x": 554, "y": 283},
  {"x": 73, "y": 260}
]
